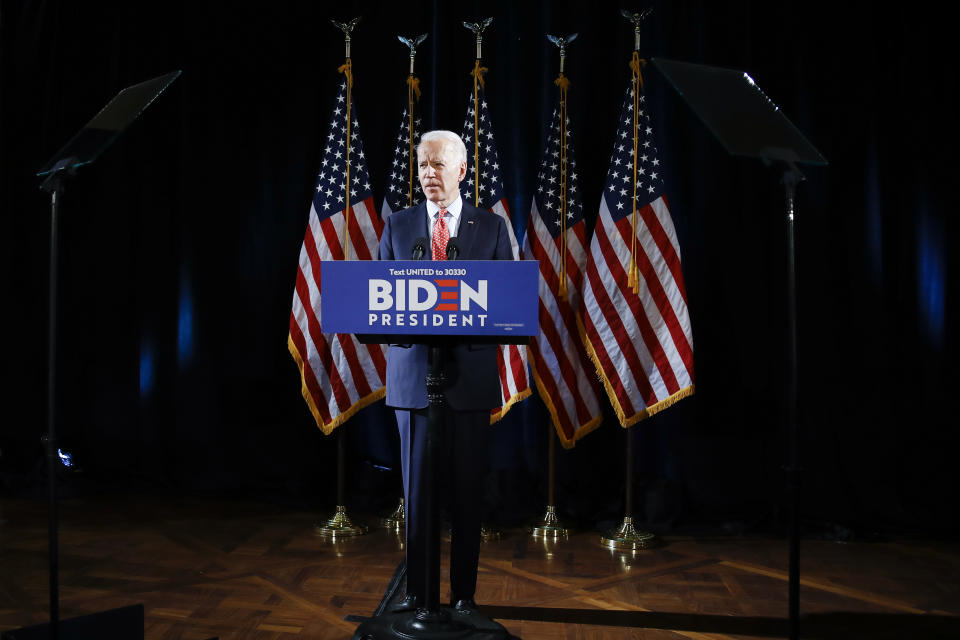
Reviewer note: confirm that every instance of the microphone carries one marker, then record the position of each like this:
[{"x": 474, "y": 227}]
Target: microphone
[
  {"x": 453, "y": 249},
  {"x": 419, "y": 249}
]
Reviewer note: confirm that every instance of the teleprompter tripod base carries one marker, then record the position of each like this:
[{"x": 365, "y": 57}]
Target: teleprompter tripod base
[
  {"x": 443, "y": 623},
  {"x": 627, "y": 537}
]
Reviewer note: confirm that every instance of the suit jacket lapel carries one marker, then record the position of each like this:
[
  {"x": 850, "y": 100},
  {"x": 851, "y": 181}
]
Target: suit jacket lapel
[
  {"x": 423, "y": 225},
  {"x": 467, "y": 231}
]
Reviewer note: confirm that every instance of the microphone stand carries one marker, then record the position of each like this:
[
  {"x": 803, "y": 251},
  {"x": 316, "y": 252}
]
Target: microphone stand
[
  {"x": 419, "y": 249},
  {"x": 453, "y": 249}
]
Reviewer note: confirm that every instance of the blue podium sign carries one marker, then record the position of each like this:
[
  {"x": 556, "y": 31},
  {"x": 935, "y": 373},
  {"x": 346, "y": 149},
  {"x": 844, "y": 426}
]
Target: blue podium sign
[{"x": 422, "y": 297}]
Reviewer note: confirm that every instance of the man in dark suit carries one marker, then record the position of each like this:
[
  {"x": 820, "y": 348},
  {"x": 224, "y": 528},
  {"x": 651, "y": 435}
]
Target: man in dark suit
[{"x": 472, "y": 385}]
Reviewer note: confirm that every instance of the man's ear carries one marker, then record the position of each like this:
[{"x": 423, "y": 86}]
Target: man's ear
[{"x": 463, "y": 172}]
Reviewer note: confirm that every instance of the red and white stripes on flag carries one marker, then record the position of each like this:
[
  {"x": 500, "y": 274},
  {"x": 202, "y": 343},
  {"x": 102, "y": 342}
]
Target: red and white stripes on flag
[
  {"x": 339, "y": 375},
  {"x": 483, "y": 188},
  {"x": 638, "y": 336},
  {"x": 556, "y": 238}
]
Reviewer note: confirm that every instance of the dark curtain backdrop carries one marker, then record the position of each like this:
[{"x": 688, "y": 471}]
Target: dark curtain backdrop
[{"x": 179, "y": 250}]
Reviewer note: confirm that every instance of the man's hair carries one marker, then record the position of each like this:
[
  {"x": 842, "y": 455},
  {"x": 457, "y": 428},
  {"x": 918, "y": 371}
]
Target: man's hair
[{"x": 445, "y": 136}]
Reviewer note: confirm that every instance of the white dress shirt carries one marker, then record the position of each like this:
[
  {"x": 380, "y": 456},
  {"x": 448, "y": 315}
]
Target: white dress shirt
[{"x": 452, "y": 218}]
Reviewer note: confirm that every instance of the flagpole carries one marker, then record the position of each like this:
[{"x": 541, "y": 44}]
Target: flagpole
[
  {"x": 397, "y": 520},
  {"x": 413, "y": 96},
  {"x": 477, "y": 73},
  {"x": 476, "y": 133},
  {"x": 626, "y": 537},
  {"x": 550, "y": 526},
  {"x": 486, "y": 532},
  {"x": 632, "y": 276},
  {"x": 347, "y": 70},
  {"x": 340, "y": 525},
  {"x": 410, "y": 90},
  {"x": 564, "y": 85},
  {"x": 636, "y": 63}
]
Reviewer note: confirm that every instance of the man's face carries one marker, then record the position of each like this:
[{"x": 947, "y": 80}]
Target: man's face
[{"x": 440, "y": 173}]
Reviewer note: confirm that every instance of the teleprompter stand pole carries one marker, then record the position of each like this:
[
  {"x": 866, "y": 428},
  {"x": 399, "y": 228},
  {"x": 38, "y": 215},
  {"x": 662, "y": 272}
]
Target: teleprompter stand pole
[
  {"x": 53, "y": 185},
  {"x": 83, "y": 149},
  {"x": 791, "y": 178},
  {"x": 749, "y": 124}
]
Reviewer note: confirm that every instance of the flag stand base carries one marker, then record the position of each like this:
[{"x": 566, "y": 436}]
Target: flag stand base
[
  {"x": 550, "y": 526},
  {"x": 396, "y": 520},
  {"x": 339, "y": 526},
  {"x": 627, "y": 537}
]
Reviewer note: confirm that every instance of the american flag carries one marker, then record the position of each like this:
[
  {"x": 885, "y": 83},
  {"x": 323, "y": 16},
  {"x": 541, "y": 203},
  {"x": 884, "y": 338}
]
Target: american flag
[
  {"x": 640, "y": 340},
  {"x": 556, "y": 233},
  {"x": 340, "y": 376},
  {"x": 483, "y": 188},
  {"x": 403, "y": 173}
]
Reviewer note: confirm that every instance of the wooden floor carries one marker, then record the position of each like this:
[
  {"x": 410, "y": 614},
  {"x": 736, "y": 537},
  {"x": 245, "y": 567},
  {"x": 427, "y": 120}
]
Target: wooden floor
[{"x": 244, "y": 570}]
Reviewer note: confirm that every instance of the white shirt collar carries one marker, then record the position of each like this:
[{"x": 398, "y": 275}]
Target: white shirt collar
[{"x": 453, "y": 211}]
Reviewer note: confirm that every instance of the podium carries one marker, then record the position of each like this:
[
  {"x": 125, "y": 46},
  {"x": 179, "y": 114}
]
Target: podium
[{"x": 439, "y": 304}]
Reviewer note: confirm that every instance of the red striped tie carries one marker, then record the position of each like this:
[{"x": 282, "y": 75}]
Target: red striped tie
[{"x": 440, "y": 236}]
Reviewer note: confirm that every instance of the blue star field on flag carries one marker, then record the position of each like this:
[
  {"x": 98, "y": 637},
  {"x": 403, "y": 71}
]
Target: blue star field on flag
[
  {"x": 397, "y": 196},
  {"x": 548, "y": 194},
  {"x": 618, "y": 189},
  {"x": 491, "y": 183},
  {"x": 331, "y": 190}
]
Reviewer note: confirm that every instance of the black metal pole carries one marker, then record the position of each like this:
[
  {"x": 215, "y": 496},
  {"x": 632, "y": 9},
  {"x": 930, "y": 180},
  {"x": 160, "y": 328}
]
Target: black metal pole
[
  {"x": 629, "y": 474},
  {"x": 431, "y": 613},
  {"x": 551, "y": 462},
  {"x": 51, "y": 437},
  {"x": 791, "y": 177},
  {"x": 341, "y": 468},
  {"x": 431, "y": 620}
]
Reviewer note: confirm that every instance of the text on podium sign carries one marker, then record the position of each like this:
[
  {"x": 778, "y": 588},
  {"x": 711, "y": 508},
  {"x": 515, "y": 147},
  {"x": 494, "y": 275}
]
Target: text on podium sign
[{"x": 456, "y": 297}]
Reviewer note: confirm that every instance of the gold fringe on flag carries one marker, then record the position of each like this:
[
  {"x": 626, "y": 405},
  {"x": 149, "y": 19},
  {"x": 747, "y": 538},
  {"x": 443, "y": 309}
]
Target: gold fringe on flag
[
  {"x": 625, "y": 420},
  {"x": 328, "y": 427},
  {"x": 565, "y": 441}
]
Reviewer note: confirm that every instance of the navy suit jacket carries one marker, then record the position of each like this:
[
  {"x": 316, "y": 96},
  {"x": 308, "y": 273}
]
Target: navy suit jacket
[{"x": 472, "y": 379}]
